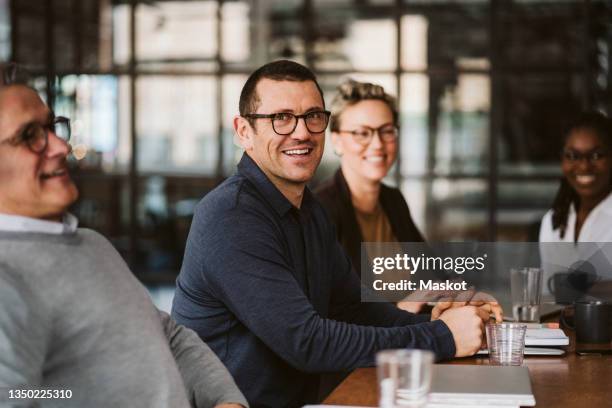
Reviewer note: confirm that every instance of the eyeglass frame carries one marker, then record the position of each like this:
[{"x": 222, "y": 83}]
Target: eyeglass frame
[
  {"x": 591, "y": 157},
  {"x": 297, "y": 118},
  {"x": 372, "y": 132},
  {"x": 49, "y": 127}
]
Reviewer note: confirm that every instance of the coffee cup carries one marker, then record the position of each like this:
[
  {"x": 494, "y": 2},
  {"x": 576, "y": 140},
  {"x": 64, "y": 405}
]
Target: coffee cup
[
  {"x": 569, "y": 287},
  {"x": 593, "y": 320}
]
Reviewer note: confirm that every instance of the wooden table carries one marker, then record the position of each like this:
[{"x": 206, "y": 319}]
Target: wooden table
[{"x": 565, "y": 381}]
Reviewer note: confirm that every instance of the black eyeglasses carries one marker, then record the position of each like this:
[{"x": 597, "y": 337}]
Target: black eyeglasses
[
  {"x": 36, "y": 135},
  {"x": 364, "y": 135},
  {"x": 576, "y": 156},
  {"x": 284, "y": 123}
]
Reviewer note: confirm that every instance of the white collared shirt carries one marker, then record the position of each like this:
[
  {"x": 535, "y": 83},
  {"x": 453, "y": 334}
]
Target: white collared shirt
[{"x": 18, "y": 223}]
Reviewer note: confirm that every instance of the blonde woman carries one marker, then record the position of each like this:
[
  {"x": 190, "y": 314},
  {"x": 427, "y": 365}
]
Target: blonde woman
[{"x": 364, "y": 132}]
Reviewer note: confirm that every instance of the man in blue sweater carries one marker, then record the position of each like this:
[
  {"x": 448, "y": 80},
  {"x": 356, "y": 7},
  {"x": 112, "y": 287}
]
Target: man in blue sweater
[{"x": 264, "y": 281}]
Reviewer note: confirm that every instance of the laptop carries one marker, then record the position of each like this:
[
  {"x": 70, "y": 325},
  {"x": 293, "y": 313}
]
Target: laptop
[{"x": 481, "y": 385}]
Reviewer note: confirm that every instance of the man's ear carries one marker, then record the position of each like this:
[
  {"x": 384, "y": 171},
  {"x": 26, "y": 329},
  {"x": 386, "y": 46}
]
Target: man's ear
[{"x": 244, "y": 131}]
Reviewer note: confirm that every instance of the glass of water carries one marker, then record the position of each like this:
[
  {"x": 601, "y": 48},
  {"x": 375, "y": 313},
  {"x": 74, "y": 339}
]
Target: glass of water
[
  {"x": 404, "y": 377},
  {"x": 526, "y": 288},
  {"x": 506, "y": 343}
]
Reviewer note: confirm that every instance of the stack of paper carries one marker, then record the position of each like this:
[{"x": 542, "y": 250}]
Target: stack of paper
[{"x": 546, "y": 337}]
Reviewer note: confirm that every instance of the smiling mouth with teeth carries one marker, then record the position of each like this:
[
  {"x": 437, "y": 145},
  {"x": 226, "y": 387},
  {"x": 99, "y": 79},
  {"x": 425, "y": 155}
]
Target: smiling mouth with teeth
[
  {"x": 56, "y": 173},
  {"x": 374, "y": 159},
  {"x": 585, "y": 179},
  {"x": 297, "y": 152}
]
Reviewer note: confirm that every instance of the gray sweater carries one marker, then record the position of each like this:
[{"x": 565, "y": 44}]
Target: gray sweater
[{"x": 72, "y": 316}]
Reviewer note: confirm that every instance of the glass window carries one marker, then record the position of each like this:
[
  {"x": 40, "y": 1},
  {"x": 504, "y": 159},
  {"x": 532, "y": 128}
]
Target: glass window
[
  {"x": 65, "y": 46},
  {"x": 285, "y": 45},
  {"x": 30, "y": 30},
  {"x": 534, "y": 118},
  {"x": 371, "y": 44},
  {"x": 231, "y": 85},
  {"x": 414, "y": 42},
  {"x": 414, "y": 108},
  {"x": 447, "y": 209},
  {"x": 166, "y": 30},
  {"x": 121, "y": 34},
  {"x": 235, "y": 32},
  {"x": 521, "y": 206},
  {"x": 194, "y": 56},
  {"x": 462, "y": 126},
  {"x": 279, "y": 23},
  {"x": 5, "y": 30},
  {"x": 105, "y": 34},
  {"x": 93, "y": 103},
  {"x": 446, "y": 48},
  {"x": 177, "y": 124},
  {"x": 332, "y": 3},
  {"x": 97, "y": 106}
]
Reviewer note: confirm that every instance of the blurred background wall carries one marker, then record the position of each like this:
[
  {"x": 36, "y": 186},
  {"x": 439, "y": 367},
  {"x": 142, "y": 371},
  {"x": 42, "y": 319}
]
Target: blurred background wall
[{"x": 151, "y": 86}]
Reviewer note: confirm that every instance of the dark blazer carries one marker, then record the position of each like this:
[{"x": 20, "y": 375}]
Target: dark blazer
[{"x": 335, "y": 196}]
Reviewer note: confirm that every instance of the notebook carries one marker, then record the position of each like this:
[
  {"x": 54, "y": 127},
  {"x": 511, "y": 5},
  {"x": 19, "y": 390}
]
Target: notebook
[
  {"x": 534, "y": 351},
  {"x": 546, "y": 337}
]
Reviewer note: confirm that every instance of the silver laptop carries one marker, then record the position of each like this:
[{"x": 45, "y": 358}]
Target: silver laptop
[{"x": 481, "y": 385}]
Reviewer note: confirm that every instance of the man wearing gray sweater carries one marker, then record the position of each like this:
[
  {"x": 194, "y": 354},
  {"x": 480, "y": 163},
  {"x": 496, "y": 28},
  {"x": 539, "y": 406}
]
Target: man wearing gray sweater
[{"x": 76, "y": 328}]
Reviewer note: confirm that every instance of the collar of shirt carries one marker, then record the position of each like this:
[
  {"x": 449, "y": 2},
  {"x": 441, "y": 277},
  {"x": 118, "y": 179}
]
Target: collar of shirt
[
  {"x": 249, "y": 169},
  {"x": 593, "y": 226},
  {"x": 18, "y": 223}
]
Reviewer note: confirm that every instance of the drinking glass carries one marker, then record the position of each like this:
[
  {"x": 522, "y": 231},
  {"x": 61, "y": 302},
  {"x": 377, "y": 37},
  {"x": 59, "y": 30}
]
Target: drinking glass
[
  {"x": 526, "y": 288},
  {"x": 506, "y": 343},
  {"x": 404, "y": 377}
]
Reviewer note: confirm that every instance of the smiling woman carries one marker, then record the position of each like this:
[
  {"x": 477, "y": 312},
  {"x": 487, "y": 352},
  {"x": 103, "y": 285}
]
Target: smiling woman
[
  {"x": 364, "y": 134},
  {"x": 582, "y": 210}
]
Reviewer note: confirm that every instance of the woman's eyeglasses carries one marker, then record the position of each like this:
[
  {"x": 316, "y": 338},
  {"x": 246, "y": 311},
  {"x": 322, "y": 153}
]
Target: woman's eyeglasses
[
  {"x": 576, "y": 156},
  {"x": 365, "y": 134}
]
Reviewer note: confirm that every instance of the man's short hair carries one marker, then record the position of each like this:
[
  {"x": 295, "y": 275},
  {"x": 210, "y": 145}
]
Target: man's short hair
[{"x": 281, "y": 70}]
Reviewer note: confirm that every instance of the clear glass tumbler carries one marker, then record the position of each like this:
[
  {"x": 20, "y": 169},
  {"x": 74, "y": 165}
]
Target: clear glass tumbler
[
  {"x": 506, "y": 343},
  {"x": 404, "y": 377},
  {"x": 526, "y": 288}
]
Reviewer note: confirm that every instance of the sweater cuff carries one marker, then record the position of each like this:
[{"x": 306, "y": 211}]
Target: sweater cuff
[
  {"x": 422, "y": 318},
  {"x": 444, "y": 342}
]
